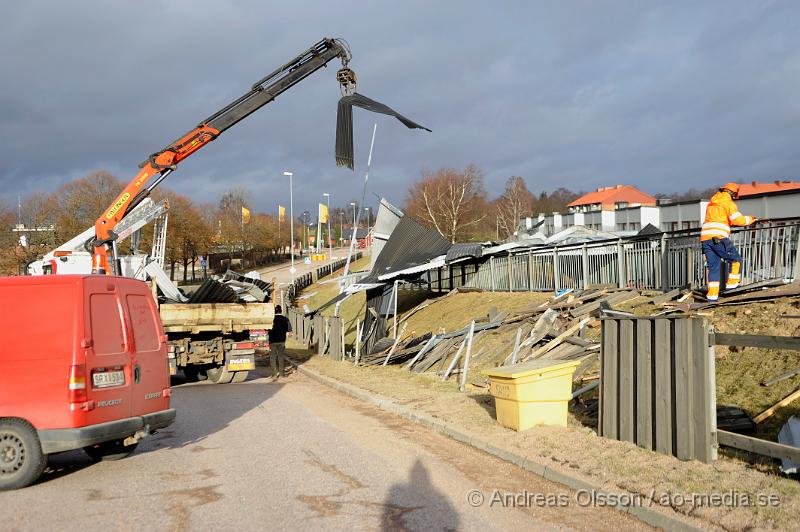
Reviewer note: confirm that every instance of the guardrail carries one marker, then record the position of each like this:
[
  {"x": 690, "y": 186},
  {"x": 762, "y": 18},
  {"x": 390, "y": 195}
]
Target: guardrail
[
  {"x": 659, "y": 262},
  {"x": 307, "y": 279}
]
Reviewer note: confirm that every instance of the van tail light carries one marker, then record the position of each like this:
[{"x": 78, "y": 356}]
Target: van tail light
[{"x": 77, "y": 384}]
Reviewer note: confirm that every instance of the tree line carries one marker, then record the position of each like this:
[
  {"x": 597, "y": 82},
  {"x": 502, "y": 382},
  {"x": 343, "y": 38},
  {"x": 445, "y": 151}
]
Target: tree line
[
  {"x": 456, "y": 204},
  {"x": 452, "y": 201},
  {"x": 193, "y": 229}
]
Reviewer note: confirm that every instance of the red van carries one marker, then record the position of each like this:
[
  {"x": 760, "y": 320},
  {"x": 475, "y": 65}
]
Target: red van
[{"x": 83, "y": 364}]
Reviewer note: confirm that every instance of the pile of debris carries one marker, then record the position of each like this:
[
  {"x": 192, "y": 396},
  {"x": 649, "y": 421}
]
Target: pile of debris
[
  {"x": 566, "y": 327},
  {"x": 557, "y": 329},
  {"x": 233, "y": 287}
]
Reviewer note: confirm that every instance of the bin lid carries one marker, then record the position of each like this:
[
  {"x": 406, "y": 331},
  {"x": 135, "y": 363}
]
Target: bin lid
[{"x": 531, "y": 367}]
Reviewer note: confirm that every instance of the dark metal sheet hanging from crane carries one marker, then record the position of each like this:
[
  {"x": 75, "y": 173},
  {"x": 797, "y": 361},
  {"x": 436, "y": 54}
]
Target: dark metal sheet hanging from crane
[{"x": 344, "y": 124}]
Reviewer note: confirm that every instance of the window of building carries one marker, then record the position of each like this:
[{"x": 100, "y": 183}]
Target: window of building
[{"x": 621, "y": 204}]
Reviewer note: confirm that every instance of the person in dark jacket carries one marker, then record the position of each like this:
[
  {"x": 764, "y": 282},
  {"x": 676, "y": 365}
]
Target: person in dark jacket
[{"x": 277, "y": 342}]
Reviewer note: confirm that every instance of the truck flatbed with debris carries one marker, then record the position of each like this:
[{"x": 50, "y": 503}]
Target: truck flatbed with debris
[
  {"x": 215, "y": 339},
  {"x": 225, "y": 318},
  {"x": 212, "y": 330}
]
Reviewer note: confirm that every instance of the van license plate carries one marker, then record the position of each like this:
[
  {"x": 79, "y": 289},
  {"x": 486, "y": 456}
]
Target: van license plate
[{"x": 107, "y": 379}]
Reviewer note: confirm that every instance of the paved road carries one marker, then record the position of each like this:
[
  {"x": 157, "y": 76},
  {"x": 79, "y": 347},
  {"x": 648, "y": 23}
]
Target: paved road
[
  {"x": 292, "y": 455},
  {"x": 284, "y": 275}
]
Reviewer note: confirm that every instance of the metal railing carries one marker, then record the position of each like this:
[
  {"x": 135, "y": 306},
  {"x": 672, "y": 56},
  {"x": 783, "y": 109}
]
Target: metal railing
[
  {"x": 307, "y": 279},
  {"x": 658, "y": 262}
]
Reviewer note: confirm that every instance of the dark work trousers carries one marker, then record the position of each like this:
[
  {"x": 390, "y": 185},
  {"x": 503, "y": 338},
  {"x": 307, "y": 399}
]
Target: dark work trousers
[{"x": 717, "y": 250}]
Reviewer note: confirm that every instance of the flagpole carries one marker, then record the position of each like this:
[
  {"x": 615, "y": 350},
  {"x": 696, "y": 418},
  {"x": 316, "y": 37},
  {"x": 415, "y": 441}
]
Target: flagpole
[
  {"x": 319, "y": 225},
  {"x": 328, "y": 216},
  {"x": 291, "y": 221}
]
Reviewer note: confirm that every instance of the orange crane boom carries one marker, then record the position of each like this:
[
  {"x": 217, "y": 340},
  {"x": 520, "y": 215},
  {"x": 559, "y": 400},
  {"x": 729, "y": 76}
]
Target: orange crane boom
[{"x": 163, "y": 162}]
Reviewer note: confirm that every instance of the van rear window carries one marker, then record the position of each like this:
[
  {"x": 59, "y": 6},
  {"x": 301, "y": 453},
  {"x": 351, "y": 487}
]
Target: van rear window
[
  {"x": 106, "y": 324},
  {"x": 145, "y": 329}
]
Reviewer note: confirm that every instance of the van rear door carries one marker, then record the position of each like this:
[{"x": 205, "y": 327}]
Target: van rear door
[
  {"x": 151, "y": 388},
  {"x": 107, "y": 365}
]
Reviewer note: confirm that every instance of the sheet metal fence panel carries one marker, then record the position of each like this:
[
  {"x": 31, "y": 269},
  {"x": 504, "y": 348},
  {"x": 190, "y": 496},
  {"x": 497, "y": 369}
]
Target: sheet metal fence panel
[
  {"x": 603, "y": 268},
  {"x": 642, "y": 265},
  {"x": 657, "y": 385},
  {"x": 570, "y": 268},
  {"x": 520, "y": 275}
]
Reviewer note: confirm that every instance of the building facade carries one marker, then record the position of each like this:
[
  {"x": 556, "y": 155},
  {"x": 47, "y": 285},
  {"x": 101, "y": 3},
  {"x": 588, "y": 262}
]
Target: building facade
[{"x": 780, "y": 199}]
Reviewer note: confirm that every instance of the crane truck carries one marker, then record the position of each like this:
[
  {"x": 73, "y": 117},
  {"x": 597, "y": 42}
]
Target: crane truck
[{"x": 209, "y": 338}]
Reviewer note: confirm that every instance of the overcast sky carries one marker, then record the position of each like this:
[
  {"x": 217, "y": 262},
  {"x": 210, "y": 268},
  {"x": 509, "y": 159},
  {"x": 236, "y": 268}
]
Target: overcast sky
[{"x": 574, "y": 94}]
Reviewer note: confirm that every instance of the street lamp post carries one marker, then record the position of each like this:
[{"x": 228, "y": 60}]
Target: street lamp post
[
  {"x": 291, "y": 216},
  {"x": 306, "y": 235},
  {"x": 355, "y": 229}
]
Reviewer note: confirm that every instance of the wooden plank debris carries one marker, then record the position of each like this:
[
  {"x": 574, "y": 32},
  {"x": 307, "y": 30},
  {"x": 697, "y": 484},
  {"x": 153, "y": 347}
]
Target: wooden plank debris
[
  {"x": 766, "y": 414},
  {"x": 667, "y": 296},
  {"x": 466, "y": 357},
  {"x": 557, "y": 340},
  {"x": 755, "y": 445},
  {"x": 757, "y": 340},
  {"x": 394, "y": 345},
  {"x": 781, "y": 377},
  {"x": 611, "y": 299}
]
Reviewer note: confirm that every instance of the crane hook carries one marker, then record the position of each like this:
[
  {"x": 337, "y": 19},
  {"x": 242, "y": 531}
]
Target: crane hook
[{"x": 347, "y": 80}]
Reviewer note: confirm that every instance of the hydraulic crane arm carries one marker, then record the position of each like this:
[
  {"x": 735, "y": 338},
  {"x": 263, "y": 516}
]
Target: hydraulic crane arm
[{"x": 161, "y": 163}]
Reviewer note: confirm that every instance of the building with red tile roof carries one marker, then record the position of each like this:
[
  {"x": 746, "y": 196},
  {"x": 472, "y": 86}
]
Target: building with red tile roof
[
  {"x": 611, "y": 199},
  {"x": 754, "y": 187}
]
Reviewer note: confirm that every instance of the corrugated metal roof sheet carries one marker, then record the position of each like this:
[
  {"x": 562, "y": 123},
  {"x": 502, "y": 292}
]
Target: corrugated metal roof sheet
[
  {"x": 385, "y": 222},
  {"x": 438, "y": 262},
  {"x": 502, "y": 247},
  {"x": 212, "y": 291},
  {"x": 411, "y": 244},
  {"x": 458, "y": 251}
]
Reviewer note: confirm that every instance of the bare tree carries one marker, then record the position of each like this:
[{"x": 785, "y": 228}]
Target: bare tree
[
  {"x": 82, "y": 201},
  {"x": 556, "y": 201},
  {"x": 515, "y": 203},
  {"x": 8, "y": 260},
  {"x": 189, "y": 233},
  {"x": 451, "y": 201}
]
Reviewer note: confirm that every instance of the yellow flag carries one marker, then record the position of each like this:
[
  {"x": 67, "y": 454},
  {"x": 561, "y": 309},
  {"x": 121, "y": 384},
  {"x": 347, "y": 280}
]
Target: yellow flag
[
  {"x": 323, "y": 213},
  {"x": 245, "y": 215},
  {"x": 281, "y": 213}
]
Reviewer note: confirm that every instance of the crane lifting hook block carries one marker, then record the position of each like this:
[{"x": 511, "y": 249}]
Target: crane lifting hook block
[{"x": 347, "y": 80}]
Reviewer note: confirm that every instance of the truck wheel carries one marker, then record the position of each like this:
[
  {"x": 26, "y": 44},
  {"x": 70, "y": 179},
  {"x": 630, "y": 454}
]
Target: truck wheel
[
  {"x": 240, "y": 376},
  {"x": 220, "y": 375},
  {"x": 110, "y": 450},
  {"x": 192, "y": 374},
  {"x": 21, "y": 458}
]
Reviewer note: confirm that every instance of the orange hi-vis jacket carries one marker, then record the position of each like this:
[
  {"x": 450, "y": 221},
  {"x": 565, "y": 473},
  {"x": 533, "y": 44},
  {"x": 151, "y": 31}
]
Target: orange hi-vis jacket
[{"x": 721, "y": 214}]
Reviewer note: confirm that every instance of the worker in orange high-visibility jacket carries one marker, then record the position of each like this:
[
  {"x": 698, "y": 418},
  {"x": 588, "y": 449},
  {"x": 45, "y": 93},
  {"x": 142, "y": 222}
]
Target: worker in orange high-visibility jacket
[{"x": 721, "y": 214}]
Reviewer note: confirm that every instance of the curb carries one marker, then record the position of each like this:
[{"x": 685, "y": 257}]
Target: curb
[{"x": 647, "y": 515}]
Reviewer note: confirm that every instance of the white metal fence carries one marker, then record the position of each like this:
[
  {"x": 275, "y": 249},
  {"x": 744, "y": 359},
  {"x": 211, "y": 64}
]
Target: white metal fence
[{"x": 660, "y": 262}]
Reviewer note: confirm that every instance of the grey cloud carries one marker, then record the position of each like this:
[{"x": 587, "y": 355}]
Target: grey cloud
[{"x": 576, "y": 94}]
